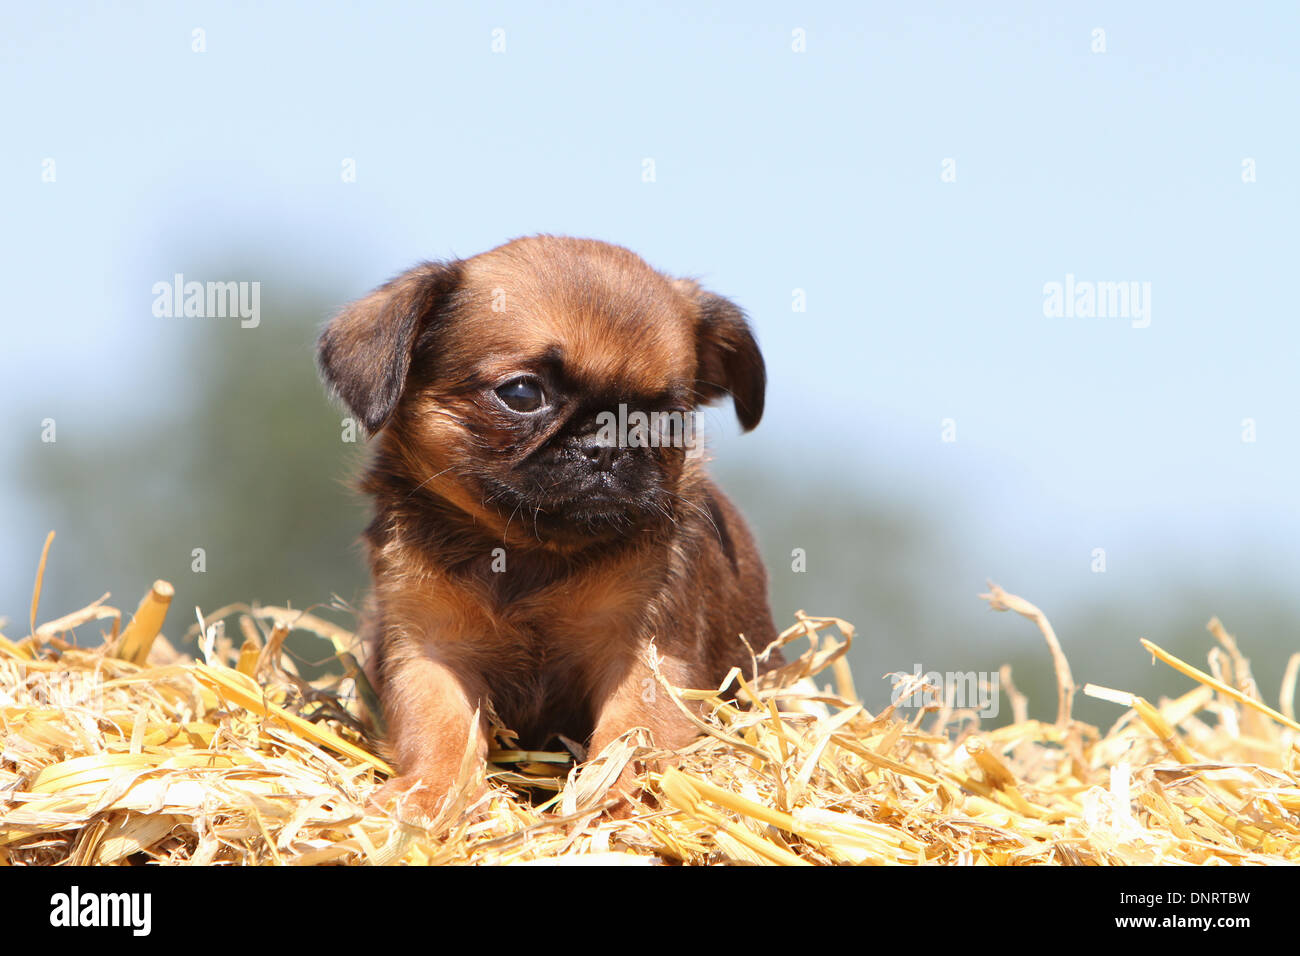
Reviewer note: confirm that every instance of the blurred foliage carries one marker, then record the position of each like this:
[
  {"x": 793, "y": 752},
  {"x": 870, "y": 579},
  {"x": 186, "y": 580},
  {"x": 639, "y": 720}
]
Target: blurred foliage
[{"x": 246, "y": 461}]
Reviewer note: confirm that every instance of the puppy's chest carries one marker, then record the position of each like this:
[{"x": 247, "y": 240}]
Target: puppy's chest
[
  {"x": 560, "y": 626},
  {"x": 547, "y": 661},
  {"x": 565, "y": 614}
]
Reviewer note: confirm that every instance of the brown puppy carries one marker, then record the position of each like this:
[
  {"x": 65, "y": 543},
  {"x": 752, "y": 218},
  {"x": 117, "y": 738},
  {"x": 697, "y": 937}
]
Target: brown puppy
[{"x": 526, "y": 550}]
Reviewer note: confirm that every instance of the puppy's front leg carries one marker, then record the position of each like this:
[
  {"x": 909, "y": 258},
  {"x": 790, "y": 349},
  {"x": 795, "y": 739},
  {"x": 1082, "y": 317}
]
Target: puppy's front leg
[
  {"x": 631, "y": 696},
  {"x": 430, "y": 714}
]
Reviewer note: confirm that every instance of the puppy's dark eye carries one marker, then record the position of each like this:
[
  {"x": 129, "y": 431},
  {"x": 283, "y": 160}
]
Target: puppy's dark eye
[{"x": 523, "y": 394}]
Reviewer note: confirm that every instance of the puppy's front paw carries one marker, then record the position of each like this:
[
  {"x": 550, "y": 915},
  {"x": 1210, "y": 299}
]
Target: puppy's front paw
[
  {"x": 410, "y": 798},
  {"x": 629, "y": 794}
]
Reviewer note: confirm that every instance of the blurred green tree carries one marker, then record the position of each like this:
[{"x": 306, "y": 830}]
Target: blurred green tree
[{"x": 234, "y": 489}]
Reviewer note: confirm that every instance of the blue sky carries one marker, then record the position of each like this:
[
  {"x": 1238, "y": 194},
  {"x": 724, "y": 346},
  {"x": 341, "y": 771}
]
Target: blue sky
[{"x": 774, "y": 171}]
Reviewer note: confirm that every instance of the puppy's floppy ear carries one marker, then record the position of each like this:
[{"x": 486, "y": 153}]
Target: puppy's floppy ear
[
  {"x": 364, "y": 354},
  {"x": 727, "y": 356}
]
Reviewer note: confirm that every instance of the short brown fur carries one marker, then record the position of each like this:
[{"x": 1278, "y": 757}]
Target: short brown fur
[{"x": 555, "y": 643}]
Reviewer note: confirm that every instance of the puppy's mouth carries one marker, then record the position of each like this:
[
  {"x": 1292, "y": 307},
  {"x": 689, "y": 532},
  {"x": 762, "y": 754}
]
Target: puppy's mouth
[
  {"x": 595, "y": 510},
  {"x": 593, "y": 507}
]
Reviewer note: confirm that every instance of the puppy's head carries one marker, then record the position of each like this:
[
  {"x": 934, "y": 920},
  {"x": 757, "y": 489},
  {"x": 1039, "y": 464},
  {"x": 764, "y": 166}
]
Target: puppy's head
[{"x": 549, "y": 383}]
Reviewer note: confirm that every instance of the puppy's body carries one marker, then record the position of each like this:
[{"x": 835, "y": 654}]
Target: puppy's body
[{"x": 518, "y": 558}]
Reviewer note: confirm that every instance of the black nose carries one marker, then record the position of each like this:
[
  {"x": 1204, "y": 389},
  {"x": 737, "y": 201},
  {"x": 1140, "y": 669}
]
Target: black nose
[{"x": 601, "y": 453}]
